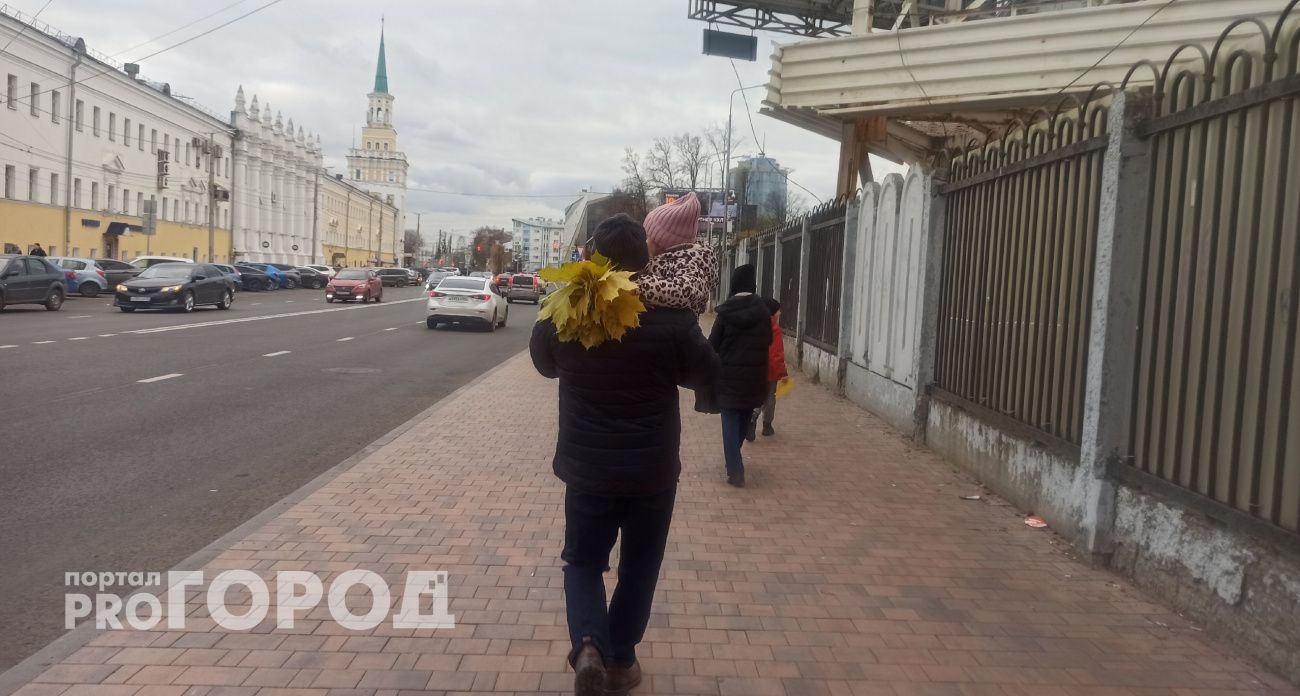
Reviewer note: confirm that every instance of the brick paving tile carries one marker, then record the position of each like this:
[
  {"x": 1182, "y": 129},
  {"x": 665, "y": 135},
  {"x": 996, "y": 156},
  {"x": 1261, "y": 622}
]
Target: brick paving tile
[{"x": 848, "y": 567}]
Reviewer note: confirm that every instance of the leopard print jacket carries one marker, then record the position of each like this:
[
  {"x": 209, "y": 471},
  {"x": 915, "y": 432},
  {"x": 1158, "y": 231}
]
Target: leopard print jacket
[{"x": 683, "y": 277}]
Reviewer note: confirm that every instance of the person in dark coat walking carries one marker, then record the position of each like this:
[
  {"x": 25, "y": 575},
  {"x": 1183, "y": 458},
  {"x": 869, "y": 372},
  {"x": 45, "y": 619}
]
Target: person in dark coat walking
[
  {"x": 741, "y": 334},
  {"x": 618, "y": 455},
  {"x": 36, "y": 250}
]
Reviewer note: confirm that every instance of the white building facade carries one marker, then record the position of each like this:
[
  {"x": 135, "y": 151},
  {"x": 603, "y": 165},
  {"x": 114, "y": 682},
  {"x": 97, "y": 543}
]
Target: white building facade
[
  {"x": 538, "y": 242},
  {"x": 89, "y": 145},
  {"x": 275, "y": 181}
]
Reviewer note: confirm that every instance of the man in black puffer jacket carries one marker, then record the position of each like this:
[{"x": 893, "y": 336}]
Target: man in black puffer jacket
[
  {"x": 618, "y": 454},
  {"x": 741, "y": 334}
]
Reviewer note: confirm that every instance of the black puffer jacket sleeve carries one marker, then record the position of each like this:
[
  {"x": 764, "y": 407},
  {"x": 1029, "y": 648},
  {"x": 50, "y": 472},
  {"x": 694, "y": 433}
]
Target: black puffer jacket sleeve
[{"x": 540, "y": 348}]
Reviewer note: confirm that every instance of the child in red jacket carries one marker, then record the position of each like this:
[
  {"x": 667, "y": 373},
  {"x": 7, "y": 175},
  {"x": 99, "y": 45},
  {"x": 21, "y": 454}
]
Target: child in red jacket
[{"x": 776, "y": 371}]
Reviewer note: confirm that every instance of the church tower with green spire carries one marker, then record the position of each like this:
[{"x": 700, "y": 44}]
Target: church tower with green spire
[{"x": 377, "y": 165}]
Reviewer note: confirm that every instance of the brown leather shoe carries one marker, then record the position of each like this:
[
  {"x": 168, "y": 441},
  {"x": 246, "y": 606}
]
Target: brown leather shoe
[
  {"x": 620, "y": 680},
  {"x": 588, "y": 671}
]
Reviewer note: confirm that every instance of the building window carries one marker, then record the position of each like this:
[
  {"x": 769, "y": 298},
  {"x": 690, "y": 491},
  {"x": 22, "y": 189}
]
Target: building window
[
  {"x": 11, "y": 95},
  {"x": 139, "y": 203},
  {"x": 175, "y": 208},
  {"x": 76, "y": 193},
  {"x": 81, "y": 114},
  {"x": 56, "y": 104},
  {"x": 32, "y": 174},
  {"x": 112, "y": 126},
  {"x": 187, "y": 153},
  {"x": 10, "y": 173},
  {"x": 163, "y": 213},
  {"x": 153, "y": 140},
  {"x": 126, "y": 132},
  {"x": 139, "y": 138},
  {"x": 94, "y": 121},
  {"x": 167, "y": 143},
  {"x": 54, "y": 189},
  {"x": 108, "y": 199},
  {"x": 36, "y": 100},
  {"x": 126, "y": 201},
  {"x": 385, "y": 147},
  {"x": 94, "y": 195}
]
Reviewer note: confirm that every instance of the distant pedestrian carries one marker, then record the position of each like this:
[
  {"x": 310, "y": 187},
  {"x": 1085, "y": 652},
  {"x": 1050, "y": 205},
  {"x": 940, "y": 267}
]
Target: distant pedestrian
[
  {"x": 682, "y": 273},
  {"x": 618, "y": 455},
  {"x": 776, "y": 371},
  {"x": 742, "y": 334},
  {"x": 36, "y": 250}
]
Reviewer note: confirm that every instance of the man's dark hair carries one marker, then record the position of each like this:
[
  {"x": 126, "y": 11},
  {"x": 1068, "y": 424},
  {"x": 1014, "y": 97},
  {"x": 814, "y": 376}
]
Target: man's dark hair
[{"x": 621, "y": 240}]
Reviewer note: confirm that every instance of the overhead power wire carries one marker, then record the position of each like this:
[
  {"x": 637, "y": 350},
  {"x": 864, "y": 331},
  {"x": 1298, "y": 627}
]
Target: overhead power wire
[
  {"x": 180, "y": 28},
  {"x": 1114, "y": 48}
]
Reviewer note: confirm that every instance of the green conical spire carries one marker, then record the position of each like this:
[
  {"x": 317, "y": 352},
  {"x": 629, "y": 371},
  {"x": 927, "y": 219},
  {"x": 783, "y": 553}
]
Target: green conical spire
[{"x": 381, "y": 72}]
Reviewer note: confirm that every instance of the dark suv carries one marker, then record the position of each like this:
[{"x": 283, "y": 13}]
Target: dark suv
[
  {"x": 524, "y": 286},
  {"x": 397, "y": 277},
  {"x": 31, "y": 280}
]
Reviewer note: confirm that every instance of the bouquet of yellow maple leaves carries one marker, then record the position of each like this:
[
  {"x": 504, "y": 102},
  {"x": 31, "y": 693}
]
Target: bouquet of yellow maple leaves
[{"x": 596, "y": 304}]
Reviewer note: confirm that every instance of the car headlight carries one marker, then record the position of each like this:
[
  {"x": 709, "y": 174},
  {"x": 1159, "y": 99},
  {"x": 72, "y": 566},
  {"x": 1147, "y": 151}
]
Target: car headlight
[
  {"x": 122, "y": 288},
  {"x": 172, "y": 288}
]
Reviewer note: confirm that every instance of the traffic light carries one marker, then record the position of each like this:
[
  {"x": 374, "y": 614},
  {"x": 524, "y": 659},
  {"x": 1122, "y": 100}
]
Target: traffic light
[{"x": 478, "y": 248}]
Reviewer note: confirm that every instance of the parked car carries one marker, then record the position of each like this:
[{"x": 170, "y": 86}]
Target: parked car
[
  {"x": 524, "y": 287},
  {"x": 480, "y": 274},
  {"x": 312, "y": 278},
  {"x": 282, "y": 279},
  {"x": 360, "y": 284},
  {"x": 31, "y": 280},
  {"x": 327, "y": 271},
  {"x": 83, "y": 276},
  {"x": 143, "y": 262},
  {"x": 177, "y": 287},
  {"x": 292, "y": 277},
  {"x": 258, "y": 277},
  {"x": 502, "y": 281},
  {"x": 234, "y": 274},
  {"x": 116, "y": 271},
  {"x": 459, "y": 300},
  {"x": 413, "y": 276},
  {"x": 396, "y": 277}
]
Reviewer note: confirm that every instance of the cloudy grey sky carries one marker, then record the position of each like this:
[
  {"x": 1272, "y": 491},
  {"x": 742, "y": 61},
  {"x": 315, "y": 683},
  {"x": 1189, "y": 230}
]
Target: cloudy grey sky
[{"x": 493, "y": 96}]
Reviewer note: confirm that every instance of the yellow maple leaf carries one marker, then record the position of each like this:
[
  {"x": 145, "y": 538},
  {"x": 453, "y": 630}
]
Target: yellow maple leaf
[{"x": 596, "y": 305}]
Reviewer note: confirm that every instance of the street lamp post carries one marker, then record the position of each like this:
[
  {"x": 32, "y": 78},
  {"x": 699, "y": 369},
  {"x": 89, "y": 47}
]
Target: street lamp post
[{"x": 726, "y": 170}]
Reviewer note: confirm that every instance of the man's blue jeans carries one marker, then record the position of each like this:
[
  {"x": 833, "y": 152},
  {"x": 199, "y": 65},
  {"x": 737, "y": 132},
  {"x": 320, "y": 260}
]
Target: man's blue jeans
[
  {"x": 591, "y": 523},
  {"x": 734, "y": 424}
]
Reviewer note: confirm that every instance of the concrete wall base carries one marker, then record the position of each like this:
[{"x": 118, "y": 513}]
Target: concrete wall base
[
  {"x": 821, "y": 367},
  {"x": 894, "y": 403},
  {"x": 1246, "y": 590}
]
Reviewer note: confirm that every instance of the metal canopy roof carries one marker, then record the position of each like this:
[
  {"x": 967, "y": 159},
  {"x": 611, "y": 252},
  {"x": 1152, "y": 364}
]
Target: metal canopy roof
[{"x": 822, "y": 18}]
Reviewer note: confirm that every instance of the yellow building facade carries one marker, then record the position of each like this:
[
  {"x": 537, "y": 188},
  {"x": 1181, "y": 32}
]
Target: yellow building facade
[{"x": 357, "y": 227}]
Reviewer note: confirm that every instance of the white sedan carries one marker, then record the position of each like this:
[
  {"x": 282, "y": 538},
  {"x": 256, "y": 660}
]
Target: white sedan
[{"x": 466, "y": 300}]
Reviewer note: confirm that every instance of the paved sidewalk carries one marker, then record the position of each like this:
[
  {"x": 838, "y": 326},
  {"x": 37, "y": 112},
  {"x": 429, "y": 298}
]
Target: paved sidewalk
[{"x": 850, "y": 566}]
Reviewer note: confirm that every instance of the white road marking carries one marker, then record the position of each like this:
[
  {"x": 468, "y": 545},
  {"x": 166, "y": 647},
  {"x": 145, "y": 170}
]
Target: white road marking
[
  {"x": 79, "y": 338},
  {"x": 82, "y": 316},
  {"x": 391, "y": 329},
  {"x": 349, "y": 338},
  {"x": 255, "y": 304},
  {"x": 264, "y": 317},
  {"x": 288, "y": 301},
  {"x": 11, "y": 345},
  {"x": 107, "y": 335},
  {"x": 277, "y": 353},
  {"x": 159, "y": 378},
  {"x": 41, "y": 343}
]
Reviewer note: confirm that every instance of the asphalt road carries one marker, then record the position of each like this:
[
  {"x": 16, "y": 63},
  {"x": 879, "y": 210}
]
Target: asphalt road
[{"x": 103, "y": 469}]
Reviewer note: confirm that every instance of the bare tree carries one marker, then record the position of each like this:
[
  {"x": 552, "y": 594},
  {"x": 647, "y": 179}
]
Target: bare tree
[
  {"x": 637, "y": 183},
  {"x": 661, "y": 164},
  {"x": 715, "y": 139},
  {"x": 691, "y": 159},
  {"x": 796, "y": 204}
]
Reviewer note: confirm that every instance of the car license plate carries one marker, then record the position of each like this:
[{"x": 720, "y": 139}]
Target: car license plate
[
  {"x": 139, "y": 299},
  {"x": 457, "y": 298}
]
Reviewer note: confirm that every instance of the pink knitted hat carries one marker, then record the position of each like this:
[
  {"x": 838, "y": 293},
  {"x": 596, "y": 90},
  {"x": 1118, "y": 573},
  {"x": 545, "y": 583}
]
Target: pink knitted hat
[{"x": 674, "y": 224}]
